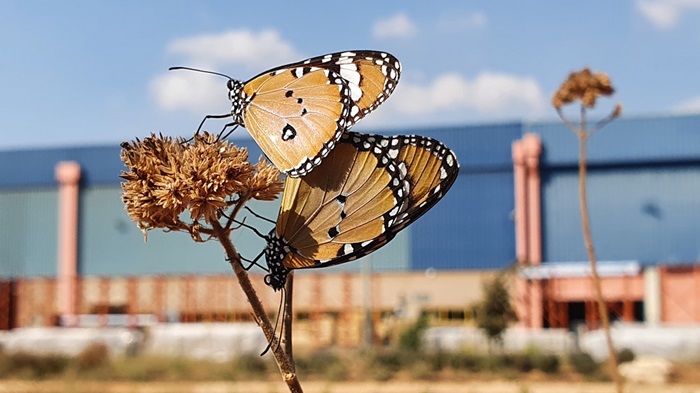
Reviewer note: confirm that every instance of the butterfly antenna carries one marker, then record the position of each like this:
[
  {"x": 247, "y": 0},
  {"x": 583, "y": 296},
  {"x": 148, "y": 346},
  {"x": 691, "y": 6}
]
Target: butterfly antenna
[
  {"x": 259, "y": 216},
  {"x": 274, "y": 330},
  {"x": 200, "y": 70},
  {"x": 223, "y": 134}
]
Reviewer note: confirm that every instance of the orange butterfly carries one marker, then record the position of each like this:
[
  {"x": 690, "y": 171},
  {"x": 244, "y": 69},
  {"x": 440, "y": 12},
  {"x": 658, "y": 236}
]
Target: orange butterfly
[
  {"x": 364, "y": 192},
  {"x": 297, "y": 112}
]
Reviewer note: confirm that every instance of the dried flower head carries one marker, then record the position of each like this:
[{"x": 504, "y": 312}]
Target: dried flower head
[
  {"x": 265, "y": 184},
  {"x": 585, "y": 86},
  {"x": 166, "y": 177}
]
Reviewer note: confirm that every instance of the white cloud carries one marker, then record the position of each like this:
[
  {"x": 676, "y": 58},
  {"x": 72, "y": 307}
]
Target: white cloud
[
  {"x": 462, "y": 22},
  {"x": 201, "y": 93},
  {"x": 398, "y": 26},
  {"x": 691, "y": 105},
  {"x": 236, "y": 47},
  {"x": 195, "y": 92},
  {"x": 665, "y": 14},
  {"x": 451, "y": 96}
]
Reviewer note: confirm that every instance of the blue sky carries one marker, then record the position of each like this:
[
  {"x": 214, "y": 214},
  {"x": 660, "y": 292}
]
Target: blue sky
[{"x": 95, "y": 72}]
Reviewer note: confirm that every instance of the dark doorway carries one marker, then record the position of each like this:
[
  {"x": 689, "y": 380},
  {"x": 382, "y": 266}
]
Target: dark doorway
[
  {"x": 577, "y": 314},
  {"x": 8, "y": 304}
]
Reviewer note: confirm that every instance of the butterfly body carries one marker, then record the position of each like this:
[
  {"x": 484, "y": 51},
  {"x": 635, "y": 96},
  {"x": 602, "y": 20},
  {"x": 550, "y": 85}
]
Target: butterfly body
[
  {"x": 367, "y": 189},
  {"x": 298, "y": 112}
]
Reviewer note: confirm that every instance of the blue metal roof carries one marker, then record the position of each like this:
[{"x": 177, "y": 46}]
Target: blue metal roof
[
  {"x": 99, "y": 164},
  {"x": 623, "y": 142}
]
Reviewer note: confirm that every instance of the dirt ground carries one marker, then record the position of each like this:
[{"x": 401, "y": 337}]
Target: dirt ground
[{"x": 335, "y": 387}]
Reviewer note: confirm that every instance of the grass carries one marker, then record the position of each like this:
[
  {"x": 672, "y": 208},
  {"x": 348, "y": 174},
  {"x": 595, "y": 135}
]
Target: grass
[{"x": 95, "y": 364}]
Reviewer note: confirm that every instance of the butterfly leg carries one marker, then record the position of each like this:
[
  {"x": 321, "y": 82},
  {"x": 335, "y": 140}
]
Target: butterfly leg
[
  {"x": 243, "y": 224},
  {"x": 259, "y": 216},
  {"x": 253, "y": 262},
  {"x": 225, "y": 134},
  {"x": 211, "y": 117}
]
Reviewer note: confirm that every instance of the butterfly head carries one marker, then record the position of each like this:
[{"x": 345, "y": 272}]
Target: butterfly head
[
  {"x": 275, "y": 252},
  {"x": 239, "y": 100}
]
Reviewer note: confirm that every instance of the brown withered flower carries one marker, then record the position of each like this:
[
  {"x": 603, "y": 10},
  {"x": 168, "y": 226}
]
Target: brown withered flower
[
  {"x": 167, "y": 177},
  {"x": 585, "y": 86},
  {"x": 264, "y": 185}
]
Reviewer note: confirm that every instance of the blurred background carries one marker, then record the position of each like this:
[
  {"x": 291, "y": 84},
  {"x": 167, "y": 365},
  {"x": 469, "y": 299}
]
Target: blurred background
[{"x": 79, "y": 78}]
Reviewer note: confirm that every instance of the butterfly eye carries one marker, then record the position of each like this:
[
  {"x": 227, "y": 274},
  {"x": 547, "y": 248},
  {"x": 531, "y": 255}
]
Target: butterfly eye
[{"x": 230, "y": 84}]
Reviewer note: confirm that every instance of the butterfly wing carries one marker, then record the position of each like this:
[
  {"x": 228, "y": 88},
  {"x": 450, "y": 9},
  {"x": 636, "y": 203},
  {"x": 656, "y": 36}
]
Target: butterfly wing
[
  {"x": 431, "y": 169},
  {"x": 297, "y": 112},
  {"x": 371, "y": 76},
  {"x": 330, "y": 215},
  {"x": 297, "y": 118},
  {"x": 367, "y": 190}
]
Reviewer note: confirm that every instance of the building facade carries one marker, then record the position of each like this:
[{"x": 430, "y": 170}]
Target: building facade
[{"x": 508, "y": 207}]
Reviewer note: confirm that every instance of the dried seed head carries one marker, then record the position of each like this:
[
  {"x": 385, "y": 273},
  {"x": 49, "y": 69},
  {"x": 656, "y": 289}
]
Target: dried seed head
[
  {"x": 618, "y": 110},
  {"x": 265, "y": 184},
  {"x": 166, "y": 177},
  {"x": 585, "y": 86}
]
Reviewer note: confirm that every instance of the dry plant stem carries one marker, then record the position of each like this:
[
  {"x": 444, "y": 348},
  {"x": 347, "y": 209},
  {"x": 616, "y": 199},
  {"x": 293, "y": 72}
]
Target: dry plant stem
[
  {"x": 588, "y": 240},
  {"x": 237, "y": 206},
  {"x": 288, "y": 316},
  {"x": 283, "y": 362}
]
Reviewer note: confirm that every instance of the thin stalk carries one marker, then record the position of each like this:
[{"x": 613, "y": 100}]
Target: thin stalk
[
  {"x": 284, "y": 364},
  {"x": 288, "y": 316},
  {"x": 588, "y": 240}
]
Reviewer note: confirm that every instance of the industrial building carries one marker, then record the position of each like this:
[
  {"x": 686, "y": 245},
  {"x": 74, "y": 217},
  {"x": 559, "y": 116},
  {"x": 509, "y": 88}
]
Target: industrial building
[{"x": 514, "y": 204}]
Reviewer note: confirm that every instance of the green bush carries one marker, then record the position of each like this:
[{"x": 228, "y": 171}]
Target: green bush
[
  {"x": 383, "y": 364},
  {"x": 250, "y": 366},
  {"x": 625, "y": 355},
  {"x": 495, "y": 312},
  {"x": 324, "y": 363},
  {"x": 421, "y": 370},
  {"x": 583, "y": 363},
  {"x": 468, "y": 361},
  {"x": 93, "y": 356},
  {"x": 391, "y": 359},
  {"x": 142, "y": 369},
  {"x": 5, "y": 364},
  {"x": 412, "y": 338},
  {"x": 522, "y": 362},
  {"x": 547, "y": 363},
  {"x": 37, "y": 366},
  {"x": 438, "y": 360}
]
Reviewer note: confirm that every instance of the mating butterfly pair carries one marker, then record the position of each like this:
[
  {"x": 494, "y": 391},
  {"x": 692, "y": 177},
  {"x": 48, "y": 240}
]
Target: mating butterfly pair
[{"x": 346, "y": 194}]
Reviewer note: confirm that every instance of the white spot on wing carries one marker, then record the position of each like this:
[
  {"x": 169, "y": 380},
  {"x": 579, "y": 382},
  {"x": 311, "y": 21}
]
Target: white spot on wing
[{"x": 347, "y": 249}]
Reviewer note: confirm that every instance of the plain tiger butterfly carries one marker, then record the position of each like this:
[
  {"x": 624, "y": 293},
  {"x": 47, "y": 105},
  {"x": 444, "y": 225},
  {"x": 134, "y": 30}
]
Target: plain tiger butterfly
[
  {"x": 363, "y": 193},
  {"x": 297, "y": 112}
]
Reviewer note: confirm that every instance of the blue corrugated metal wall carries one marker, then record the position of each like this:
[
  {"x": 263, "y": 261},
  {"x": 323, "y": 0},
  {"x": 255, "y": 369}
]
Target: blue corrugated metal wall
[
  {"x": 28, "y": 222},
  {"x": 647, "y": 214},
  {"x": 644, "y": 187},
  {"x": 110, "y": 244},
  {"x": 643, "y": 190},
  {"x": 472, "y": 227}
]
